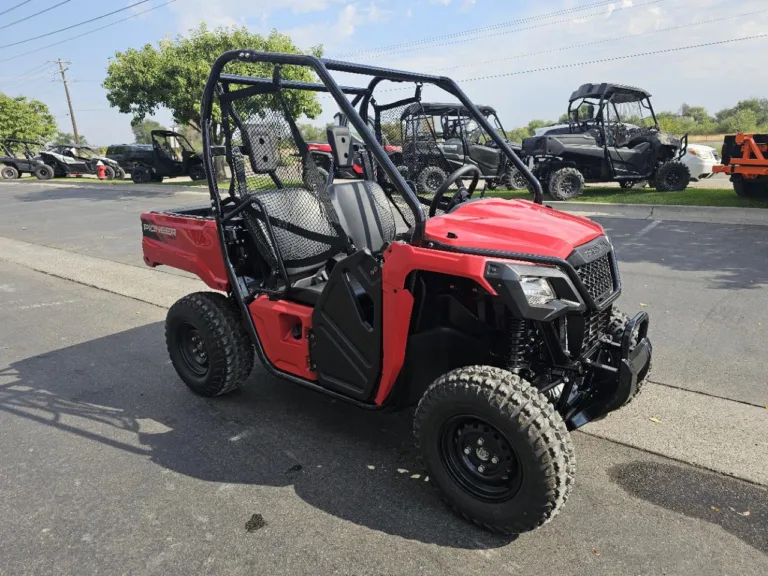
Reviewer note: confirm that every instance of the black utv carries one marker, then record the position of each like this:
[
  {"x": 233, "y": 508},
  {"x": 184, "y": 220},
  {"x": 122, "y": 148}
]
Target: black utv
[
  {"x": 612, "y": 136},
  {"x": 18, "y": 157},
  {"x": 437, "y": 139},
  {"x": 172, "y": 156}
]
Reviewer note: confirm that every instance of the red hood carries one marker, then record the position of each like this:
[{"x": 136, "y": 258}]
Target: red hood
[{"x": 513, "y": 226}]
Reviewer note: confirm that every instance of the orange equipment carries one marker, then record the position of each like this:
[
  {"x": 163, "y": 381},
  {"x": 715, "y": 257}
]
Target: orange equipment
[{"x": 745, "y": 158}]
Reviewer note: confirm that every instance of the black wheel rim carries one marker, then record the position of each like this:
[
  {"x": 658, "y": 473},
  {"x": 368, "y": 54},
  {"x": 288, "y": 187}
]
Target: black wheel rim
[
  {"x": 433, "y": 182},
  {"x": 519, "y": 180},
  {"x": 570, "y": 186},
  {"x": 673, "y": 179},
  {"x": 192, "y": 349},
  {"x": 480, "y": 459}
]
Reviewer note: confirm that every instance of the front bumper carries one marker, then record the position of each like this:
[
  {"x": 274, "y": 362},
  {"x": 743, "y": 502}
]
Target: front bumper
[
  {"x": 614, "y": 385},
  {"x": 701, "y": 168}
]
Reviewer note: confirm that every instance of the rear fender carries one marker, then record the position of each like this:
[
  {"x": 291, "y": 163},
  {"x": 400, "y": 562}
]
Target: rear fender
[{"x": 187, "y": 243}]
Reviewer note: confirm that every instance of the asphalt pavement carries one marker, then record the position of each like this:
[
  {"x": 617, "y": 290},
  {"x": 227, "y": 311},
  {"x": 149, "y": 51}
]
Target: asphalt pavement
[{"x": 111, "y": 467}]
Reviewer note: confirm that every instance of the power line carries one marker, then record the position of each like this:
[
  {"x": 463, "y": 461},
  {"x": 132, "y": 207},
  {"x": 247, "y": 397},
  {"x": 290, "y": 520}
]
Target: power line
[
  {"x": 14, "y": 7},
  {"x": 614, "y": 39},
  {"x": 86, "y": 33},
  {"x": 75, "y": 25},
  {"x": 507, "y": 24},
  {"x": 614, "y": 58},
  {"x": 35, "y": 14},
  {"x": 522, "y": 29}
]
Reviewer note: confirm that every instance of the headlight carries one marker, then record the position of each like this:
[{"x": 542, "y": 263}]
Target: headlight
[{"x": 538, "y": 291}]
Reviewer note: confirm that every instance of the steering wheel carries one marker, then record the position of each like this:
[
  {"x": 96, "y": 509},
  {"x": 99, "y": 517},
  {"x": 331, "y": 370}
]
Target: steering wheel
[{"x": 462, "y": 194}]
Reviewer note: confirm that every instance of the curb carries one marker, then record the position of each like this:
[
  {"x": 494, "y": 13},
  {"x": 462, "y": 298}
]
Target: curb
[{"x": 706, "y": 214}]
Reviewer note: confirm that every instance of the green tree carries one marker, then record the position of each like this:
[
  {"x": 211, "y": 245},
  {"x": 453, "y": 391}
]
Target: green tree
[
  {"x": 68, "y": 138},
  {"x": 191, "y": 134},
  {"x": 744, "y": 120},
  {"x": 142, "y": 131},
  {"x": 25, "y": 119},
  {"x": 173, "y": 74}
]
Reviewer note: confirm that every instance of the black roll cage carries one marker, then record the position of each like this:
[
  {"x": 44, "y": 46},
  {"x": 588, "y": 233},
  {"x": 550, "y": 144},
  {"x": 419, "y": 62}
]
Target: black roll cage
[
  {"x": 322, "y": 68},
  {"x": 603, "y": 102}
]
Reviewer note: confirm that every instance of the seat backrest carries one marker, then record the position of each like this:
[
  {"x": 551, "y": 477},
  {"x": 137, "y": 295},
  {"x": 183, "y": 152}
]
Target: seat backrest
[
  {"x": 303, "y": 232},
  {"x": 364, "y": 213}
]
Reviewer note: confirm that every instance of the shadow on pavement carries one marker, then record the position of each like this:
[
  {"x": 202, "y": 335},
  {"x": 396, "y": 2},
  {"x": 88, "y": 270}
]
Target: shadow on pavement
[
  {"x": 738, "y": 507},
  {"x": 338, "y": 458},
  {"x": 732, "y": 256}
]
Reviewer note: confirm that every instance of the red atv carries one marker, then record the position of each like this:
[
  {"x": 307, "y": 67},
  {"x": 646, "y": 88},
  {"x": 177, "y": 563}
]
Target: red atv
[{"x": 495, "y": 316}]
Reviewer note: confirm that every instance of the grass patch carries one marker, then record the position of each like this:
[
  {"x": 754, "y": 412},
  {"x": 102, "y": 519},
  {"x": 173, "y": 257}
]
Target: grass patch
[{"x": 689, "y": 197}]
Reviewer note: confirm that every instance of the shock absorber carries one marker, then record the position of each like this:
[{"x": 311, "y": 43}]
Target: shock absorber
[{"x": 514, "y": 342}]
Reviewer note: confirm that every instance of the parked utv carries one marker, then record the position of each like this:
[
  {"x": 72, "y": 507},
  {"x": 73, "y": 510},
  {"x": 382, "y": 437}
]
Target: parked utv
[
  {"x": 172, "y": 156},
  {"x": 17, "y": 157},
  {"x": 612, "y": 136},
  {"x": 436, "y": 139},
  {"x": 496, "y": 317},
  {"x": 71, "y": 159}
]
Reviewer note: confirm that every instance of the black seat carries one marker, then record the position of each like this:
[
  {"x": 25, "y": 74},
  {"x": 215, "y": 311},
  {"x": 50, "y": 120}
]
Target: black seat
[{"x": 364, "y": 213}]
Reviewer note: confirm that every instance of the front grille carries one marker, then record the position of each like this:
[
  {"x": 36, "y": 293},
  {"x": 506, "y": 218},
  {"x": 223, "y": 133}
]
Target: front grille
[
  {"x": 597, "y": 277},
  {"x": 595, "y": 325}
]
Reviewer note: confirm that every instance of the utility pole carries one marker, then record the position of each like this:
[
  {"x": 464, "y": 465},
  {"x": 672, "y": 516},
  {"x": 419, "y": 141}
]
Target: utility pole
[{"x": 62, "y": 70}]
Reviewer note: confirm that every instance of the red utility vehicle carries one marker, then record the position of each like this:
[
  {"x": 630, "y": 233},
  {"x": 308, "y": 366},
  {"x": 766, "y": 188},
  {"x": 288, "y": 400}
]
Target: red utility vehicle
[{"x": 495, "y": 316}]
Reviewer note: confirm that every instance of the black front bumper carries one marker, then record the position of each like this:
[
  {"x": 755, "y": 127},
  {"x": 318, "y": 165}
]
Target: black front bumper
[{"x": 612, "y": 386}]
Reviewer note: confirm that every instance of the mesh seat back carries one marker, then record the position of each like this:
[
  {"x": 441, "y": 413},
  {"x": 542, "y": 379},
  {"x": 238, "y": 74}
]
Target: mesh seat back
[
  {"x": 365, "y": 213},
  {"x": 292, "y": 220}
]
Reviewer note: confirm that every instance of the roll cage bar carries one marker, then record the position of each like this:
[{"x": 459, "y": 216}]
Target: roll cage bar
[
  {"x": 603, "y": 101},
  {"x": 322, "y": 68}
]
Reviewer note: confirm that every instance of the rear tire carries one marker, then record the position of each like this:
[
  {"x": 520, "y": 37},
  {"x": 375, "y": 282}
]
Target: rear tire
[
  {"x": 120, "y": 174},
  {"x": 141, "y": 175},
  {"x": 9, "y": 172},
  {"x": 745, "y": 188},
  {"x": 44, "y": 172},
  {"x": 109, "y": 173},
  {"x": 672, "y": 176},
  {"x": 430, "y": 179},
  {"x": 532, "y": 475},
  {"x": 208, "y": 345},
  {"x": 565, "y": 184}
]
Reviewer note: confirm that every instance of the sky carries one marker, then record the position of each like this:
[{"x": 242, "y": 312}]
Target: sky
[{"x": 538, "y": 58}]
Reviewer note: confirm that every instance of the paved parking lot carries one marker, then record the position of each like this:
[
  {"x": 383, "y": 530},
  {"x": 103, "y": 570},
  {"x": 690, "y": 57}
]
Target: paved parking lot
[{"x": 116, "y": 468}]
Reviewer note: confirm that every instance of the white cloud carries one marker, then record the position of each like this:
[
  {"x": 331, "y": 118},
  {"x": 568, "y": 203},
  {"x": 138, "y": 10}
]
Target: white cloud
[
  {"x": 334, "y": 34},
  {"x": 239, "y": 12}
]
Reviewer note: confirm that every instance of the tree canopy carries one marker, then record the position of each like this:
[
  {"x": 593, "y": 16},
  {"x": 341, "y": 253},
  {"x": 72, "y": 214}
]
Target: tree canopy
[
  {"x": 172, "y": 74},
  {"x": 25, "y": 119},
  {"x": 69, "y": 138},
  {"x": 142, "y": 131}
]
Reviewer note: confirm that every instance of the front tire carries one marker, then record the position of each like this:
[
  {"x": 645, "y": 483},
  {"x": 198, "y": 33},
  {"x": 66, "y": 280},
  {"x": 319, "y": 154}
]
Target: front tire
[
  {"x": 120, "y": 174},
  {"x": 565, "y": 184},
  {"x": 109, "y": 173},
  {"x": 495, "y": 449},
  {"x": 208, "y": 344},
  {"x": 141, "y": 175},
  {"x": 197, "y": 172},
  {"x": 430, "y": 179},
  {"x": 514, "y": 180},
  {"x": 672, "y": 176}
]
